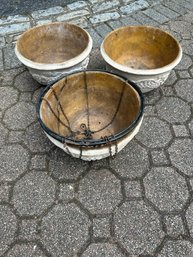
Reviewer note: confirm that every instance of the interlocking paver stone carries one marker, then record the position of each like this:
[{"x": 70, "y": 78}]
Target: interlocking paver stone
[
  {"x": 133, "y": 7},
  {"x": 189, "y": 218},
  {"x": 101, "y": 227},
  {"x": 184, "y": 89},
  {"x": 8, "y": 97},
  {"x": 14, "y": 161},
  {"x": 8, "y": 225},
  {"x": 164, "y": 187},
  {"x": 10, "y": 59},
  {"x": 38, "y": 162},
  {"x": 133, "y": 189},
  {"x": 138, "y": 228},
  {"x": 28, "y": 230},
  {"x": 183, "y": 74},
  {"x": 156, "y": 15},
  {"x": 100, "y": 191},
  {"x": 25, "y": 250},
  {"x": 36, "y": 140},
  {"x": 191, "y": 127},
  {"x": 59, "y": 227},
  {"x": 20, "y": 115},
  {"x": 25, "y": 82},
  {"x": 180, "y": 248},
  {"x": 63, "y": 166},
  {"x": 181, "y": 155},
  {"x": 131, "y": 162},
  {"x": 174, "y": 225},
  {"x": 173, "y": 109},
  {"x": 3, "y": 133},
  {"x": 180, "y": 131},
  {"x": 102, "y": 249},
  {"x": 159, "y": 157},
  {"x": 4, "y": 192},
  {"x": 34, "y": 193},
  {"x": 66, "y": 192},
  {"x": 154, "y": 133},
  {"x": 185, "y": 62},
  {"x": 152, "y": 97},
  {"x": 15, "y": 136},
  {"x": 172, "y": 78}
]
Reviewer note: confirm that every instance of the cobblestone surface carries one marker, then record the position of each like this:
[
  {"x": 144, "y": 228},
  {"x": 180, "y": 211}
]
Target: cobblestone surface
[{"x": 138, "y": 204}]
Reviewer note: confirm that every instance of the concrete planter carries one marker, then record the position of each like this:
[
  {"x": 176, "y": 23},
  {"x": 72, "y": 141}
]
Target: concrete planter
[
  {"x": 91, "y": 115},
  {"x": 54, "y": 50},
  {"x": 143, "y": 54}
]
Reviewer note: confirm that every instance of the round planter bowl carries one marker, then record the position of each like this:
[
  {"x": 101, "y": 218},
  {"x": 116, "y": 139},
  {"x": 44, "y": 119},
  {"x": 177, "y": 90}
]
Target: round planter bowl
[
  {"x": 143, "y": 54},
  {"x": 91, "y": 115},
  {"x": 54, "y": 50}
]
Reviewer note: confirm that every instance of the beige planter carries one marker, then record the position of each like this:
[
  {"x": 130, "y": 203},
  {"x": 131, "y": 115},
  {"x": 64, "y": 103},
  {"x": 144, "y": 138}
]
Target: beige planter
[
  {"x": 143, "y": 54},
  {"x": 91, "y": 115},
  {"x": 54, "y": 50}
]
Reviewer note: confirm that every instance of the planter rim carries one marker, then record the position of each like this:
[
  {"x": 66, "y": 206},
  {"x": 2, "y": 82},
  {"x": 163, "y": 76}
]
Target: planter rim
[
  {"x": 55, "y": 66},
  {"x": 155, "y": 71},
  {"x": 92, "y": 142}
]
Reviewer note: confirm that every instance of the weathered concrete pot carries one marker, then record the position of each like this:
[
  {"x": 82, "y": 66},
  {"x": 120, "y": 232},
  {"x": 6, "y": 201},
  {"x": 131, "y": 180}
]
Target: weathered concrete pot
[
  {"x": 91, "y": 115},
  {"x": 143, "y": 54},
  {"x": 54, "y": 50}
]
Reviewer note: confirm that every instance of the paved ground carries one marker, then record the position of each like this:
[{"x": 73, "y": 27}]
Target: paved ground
[
  {"x": 13, "y": 7},
  {"x": 138, "y": 204}
]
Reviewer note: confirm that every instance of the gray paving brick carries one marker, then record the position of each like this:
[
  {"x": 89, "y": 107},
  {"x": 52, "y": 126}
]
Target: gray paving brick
[
  {"x": 131, "y": 162},
  {"x": 96, "y": 60},
  {"x": 152, "y": 97},
  {"x": 38, "y": 162},
  {"x": 10, "y": 59},
  {"x": 36, "y": 140},
  {"x": 73, "y": 15},
  {"x": 189, "y": 218},
  {"x": 104, "y": 17},
  {"x": 97, "y": 39},
  {"x": 154, "y": 133},
  {"x": 156, "y": 16},
  {"x": 14, "y": 28},
  {"x": 100, "y": 191},
  {"x": 7, "y": 229},
  {"x": 180, "y": 131},
  {"x": 166, "y": 11},
  {"x": 183, "y": 74},
  {"x": 47, "y": 12},
  {"x": 191, "y": 127},
  {"x": 14, "y": 161},
  {"x": 132, "y": 189},
  {"x": 4, "y": 134},
  {"x": 129, "y": 21},
  {"x": 8, "y": 97},
  {"x": 115, "y": 24},
  {"x": 102, "y": 249},
  {"x": 175, "y": 7},
  {"x": 59, "y": 226},
  {"x": 25, "y": 96},
  {"x": 66, "y": 192},
  {"x": 181, "y": 155},
  {"x": 173, "y": 109},
  {"x": 172, "y": 78},
  {"x": 4, "y": 192},
  {"x": 174, "y": 225},
  {"x": 64, "y": 167},
  {"x": 15, "y": 136},
  {"x": 144, "y": 20},
  {"x": 134, "y": 6},
  {"x": 1, "y": 60},
  {"x": 25, "y": 83},
  {"x": 101, "y": 228},
  {"x": 28, "y": 230},
  {"x": 13, "y": 19},
  {"x": 101, "y": 7},
  {"x": 180, "y": 248},
  {"x": 163, "y": 187},
  {"x": 25, "y": 250},
  {"x": 2, "y": 41},
  {"x": 184, "y": 89},
  {"x": 42, "y": 22},
  {"x": 20, "y": 116},
  {"x": 77, "y": 5},
  {"x": 168, "y": 91},
  {"x": 135, "y": 230},
  {"x": 103, "y": 30},
  {"x": 159, "y": 157},
  {"x": 33, "y": 193}
]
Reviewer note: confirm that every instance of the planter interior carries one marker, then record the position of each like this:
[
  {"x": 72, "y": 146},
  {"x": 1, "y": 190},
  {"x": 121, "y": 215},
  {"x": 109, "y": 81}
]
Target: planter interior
[
  {"x": 140, "y": 48},
  {"x": 85, "y": 108},
  {"x": 52, "y": 43}
]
